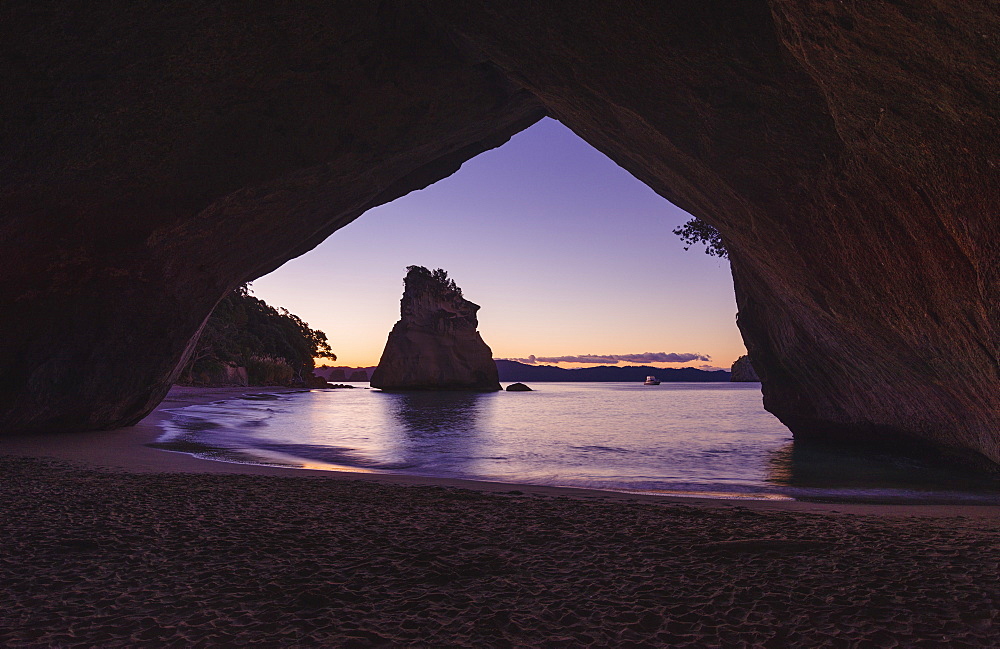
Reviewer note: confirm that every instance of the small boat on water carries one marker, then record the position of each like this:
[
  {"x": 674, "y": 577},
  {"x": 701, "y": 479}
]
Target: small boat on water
[{"x": 651, "y": 380}]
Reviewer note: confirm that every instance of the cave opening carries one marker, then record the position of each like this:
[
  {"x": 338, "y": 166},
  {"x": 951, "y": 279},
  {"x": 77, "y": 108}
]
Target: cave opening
[
  {"x": 569, "y": 256},
  {"x": 848, "y": 167},
  {"x": 566, "y": 253}
]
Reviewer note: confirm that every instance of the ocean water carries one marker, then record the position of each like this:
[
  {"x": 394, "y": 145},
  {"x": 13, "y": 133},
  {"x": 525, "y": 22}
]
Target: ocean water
[{"x": 697, "y": 439}]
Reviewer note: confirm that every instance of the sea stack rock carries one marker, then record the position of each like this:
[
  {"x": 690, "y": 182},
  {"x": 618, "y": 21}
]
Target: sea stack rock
[
  {"x": 743, "y": 371},
  {"x": 435, "y": 345},
  {"x": 518, "y": 387}
]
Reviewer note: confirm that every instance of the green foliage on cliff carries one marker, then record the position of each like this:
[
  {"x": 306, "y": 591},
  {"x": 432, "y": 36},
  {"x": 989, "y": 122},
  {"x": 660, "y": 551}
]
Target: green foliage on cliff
[
  {"x": 697, "y": 231},
  {"x": 438, "y": 276},
  {"x": 276, "y": 347}
]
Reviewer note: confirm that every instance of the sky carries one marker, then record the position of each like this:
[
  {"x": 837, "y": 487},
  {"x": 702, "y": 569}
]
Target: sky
[{"x": 566, "y": 253}]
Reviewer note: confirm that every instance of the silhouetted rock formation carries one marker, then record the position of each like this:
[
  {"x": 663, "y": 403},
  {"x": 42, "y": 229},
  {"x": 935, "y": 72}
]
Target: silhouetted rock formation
[
  {"x": 313, "y": 381},
  {"x": 742, "y": 371},
  {"x": 331, "y": 373},
  {"x": 845, "y": 152},
  {"x": 518, "y": 387},
  {"x": 435, "y": 345},
  {"x": 514, "y": 371},
  {"x": 358, "y": 375}
]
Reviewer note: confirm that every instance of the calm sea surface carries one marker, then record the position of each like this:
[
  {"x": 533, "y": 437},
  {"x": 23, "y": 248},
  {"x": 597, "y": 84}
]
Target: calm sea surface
[{"x": 706, "y": 439}]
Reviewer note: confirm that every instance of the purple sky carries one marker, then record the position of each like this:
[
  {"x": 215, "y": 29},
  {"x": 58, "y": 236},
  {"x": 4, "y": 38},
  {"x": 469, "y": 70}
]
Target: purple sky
[{"x": 566, "y": 253}]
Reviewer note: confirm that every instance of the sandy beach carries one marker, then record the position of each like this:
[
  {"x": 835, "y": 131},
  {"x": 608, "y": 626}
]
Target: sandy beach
[{"x": 107, "y": 542}]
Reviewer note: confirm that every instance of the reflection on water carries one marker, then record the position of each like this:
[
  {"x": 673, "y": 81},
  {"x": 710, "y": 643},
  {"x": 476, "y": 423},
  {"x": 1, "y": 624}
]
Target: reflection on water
[
  {"x": 822, "y": 467},
  {"x": 441, "y": 432},
  {"x": 432, "y": 414},
  {"x": 679, "y": 438}
]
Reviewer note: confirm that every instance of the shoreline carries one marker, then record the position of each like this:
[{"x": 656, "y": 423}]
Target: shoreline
[
  {"x": 110, "y": 543},
  {"x": 128, "y": 450}
]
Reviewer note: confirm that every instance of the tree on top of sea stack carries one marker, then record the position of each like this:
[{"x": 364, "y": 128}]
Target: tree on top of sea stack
[{"x": 435, "y": 345}]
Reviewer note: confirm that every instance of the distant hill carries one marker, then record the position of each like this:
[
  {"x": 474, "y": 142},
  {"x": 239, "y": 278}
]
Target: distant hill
[
  {"x": 344, "y": 373},
  {"x": 514, "y": 371}
]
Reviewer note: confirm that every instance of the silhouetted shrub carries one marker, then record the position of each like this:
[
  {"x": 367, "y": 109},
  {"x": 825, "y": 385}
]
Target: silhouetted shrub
[
  {"x": 438, "y": 276},
  {"x": 697, "y": 231}
]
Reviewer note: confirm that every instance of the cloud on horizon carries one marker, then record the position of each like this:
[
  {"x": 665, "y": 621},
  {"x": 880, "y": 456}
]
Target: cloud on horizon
[{"x": 614, "y": 359}]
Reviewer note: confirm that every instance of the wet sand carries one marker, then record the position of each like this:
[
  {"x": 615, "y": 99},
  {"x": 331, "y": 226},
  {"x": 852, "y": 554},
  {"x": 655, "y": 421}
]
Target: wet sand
[{"x": 106, "y": 542}]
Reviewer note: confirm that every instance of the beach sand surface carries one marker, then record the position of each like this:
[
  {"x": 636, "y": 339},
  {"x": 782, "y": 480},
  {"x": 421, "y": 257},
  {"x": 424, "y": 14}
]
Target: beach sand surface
[{"x": 107, "y": 542}]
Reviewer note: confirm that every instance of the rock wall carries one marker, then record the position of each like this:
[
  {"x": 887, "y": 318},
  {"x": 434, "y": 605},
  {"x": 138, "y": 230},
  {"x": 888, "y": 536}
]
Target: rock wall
[
  {"x": 847, "y": 154},
  {"x": 435, "y": 345},
  {"x": 742, "y": 371},
  {"x": 156, "y": 155},
  {"x": 220, "y": 375}
]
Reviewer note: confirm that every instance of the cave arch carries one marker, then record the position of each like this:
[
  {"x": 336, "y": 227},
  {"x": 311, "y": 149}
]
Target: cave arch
[
  {"x": 564, "y": 250},
  {"x": 155, "y": 158}
]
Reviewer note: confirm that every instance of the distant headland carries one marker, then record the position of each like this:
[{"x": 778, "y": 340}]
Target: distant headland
[
  {"x": 514, "y": 371},
  {"x": 344, "y": 373}
]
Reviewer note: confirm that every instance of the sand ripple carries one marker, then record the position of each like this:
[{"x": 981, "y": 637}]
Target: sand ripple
[{"x": 90, "y": 558}]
